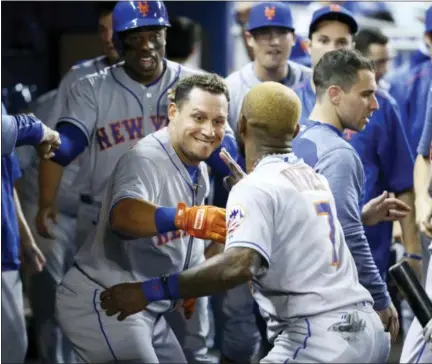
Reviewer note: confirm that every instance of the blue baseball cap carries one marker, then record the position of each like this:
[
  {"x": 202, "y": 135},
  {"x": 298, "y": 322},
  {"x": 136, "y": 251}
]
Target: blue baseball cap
[
  {"x": 270, "y": 14},
  {"x": 333, "y": 12},
  {"x": 428, "y": 20}
]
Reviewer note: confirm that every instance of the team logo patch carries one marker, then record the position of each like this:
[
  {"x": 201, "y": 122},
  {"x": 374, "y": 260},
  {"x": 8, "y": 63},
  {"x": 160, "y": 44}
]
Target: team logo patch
[
  {"x": 270, "y": 12},
  {"x": 235, "y": 217},
  {"x": 143, "y": 7}
]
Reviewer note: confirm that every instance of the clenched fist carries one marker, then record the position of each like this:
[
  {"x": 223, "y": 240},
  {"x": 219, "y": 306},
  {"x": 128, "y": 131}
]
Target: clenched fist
[{"x": 203, "y": 222}]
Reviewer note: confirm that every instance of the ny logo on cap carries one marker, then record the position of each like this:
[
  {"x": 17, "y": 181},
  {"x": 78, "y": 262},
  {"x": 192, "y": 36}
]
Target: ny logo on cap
[
  {"x": 270, "y": 12},
  {"x": 335, "y": 7},
  {"x": 143, "y": 7}
]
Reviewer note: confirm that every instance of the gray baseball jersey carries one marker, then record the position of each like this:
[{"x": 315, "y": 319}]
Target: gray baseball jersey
[
  {"x": 49, "y": 108},
  {"x": 115, "y": 112},
  {"x": 241, "y": 81},
  {"x": 150, "y": 171},
  {"x": 286, "y": 212}
]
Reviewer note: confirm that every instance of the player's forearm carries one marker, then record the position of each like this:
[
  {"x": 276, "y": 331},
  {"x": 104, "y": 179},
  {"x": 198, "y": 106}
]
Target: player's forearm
[
  {"x": 140, "y": 219},
  {"x": 219, "y": 273},
  {"x": 24, "y": 229},
  {"x": 408, "y": 224},
  {"x": 50, "y": 175}
]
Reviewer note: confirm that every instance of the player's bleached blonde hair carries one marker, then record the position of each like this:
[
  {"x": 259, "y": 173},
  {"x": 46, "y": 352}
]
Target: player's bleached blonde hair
[{"x": 272, "y": 107}]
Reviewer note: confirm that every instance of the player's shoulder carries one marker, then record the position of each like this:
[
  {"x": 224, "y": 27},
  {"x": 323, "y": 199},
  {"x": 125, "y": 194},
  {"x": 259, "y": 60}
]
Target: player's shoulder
[
  {"x": 304, "y": 72},
  {"x": 421, "y": 71},
  {"x": 177, "y": 70},
  {"x": 87, "y": 63},
  {"x": 154, "y": 146}
]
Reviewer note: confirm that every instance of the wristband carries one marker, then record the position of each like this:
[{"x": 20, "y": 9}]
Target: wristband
[
  {"x": 162, "y": 288},
  {"x": 413, "y": 256},
  {"x": 164, "y": 219}
]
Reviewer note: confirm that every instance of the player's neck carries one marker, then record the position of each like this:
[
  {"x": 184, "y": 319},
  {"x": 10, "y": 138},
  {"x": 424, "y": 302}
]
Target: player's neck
[
  {"x": 264, "y": 151},
  {"x": 144, "y": 80},
  {"x": 325, "y": 115},
  {"x": 275, "y": 75}
]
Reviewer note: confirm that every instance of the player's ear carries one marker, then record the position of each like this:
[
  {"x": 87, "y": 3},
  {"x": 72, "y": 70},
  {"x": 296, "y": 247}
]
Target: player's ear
[
  {"x": 334, "y": 93},
  {"x": 242, "y": 125},
  {"x": 249, "y": 38},
  {"x": 172, "y": 111}
]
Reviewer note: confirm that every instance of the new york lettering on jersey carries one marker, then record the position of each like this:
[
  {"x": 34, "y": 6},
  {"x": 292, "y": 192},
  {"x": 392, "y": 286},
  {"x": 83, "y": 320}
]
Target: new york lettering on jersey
[{"x": 115, "y": 112}]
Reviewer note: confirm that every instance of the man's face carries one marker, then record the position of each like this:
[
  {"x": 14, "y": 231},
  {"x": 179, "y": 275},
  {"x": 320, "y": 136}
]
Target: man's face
[
  {"x": 144, "y": 49},
  {"x": 271, "y": 46},
  {"x": 330, "y": 35},
  {"x": 379, "y": 54},
  {"x": 355, "y": 106},
  {"x": 240, "y": 138},
  {"x": 105, "y": 32},
  {"x": 199, "y": 124}
]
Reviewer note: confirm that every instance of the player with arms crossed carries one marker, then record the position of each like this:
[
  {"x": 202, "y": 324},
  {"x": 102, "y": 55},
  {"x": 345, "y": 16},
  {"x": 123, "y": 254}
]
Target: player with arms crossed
[
  {"x": 145, "y": 229},
  {"x": 283, "y": 237}
]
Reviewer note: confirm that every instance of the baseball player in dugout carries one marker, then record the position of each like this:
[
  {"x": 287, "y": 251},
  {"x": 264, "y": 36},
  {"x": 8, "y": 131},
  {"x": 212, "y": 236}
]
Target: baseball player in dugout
[
  {"x": 152, "y": 222},
  {"x": 270, "y": 35},
  {"x": 298, "y": 268}
]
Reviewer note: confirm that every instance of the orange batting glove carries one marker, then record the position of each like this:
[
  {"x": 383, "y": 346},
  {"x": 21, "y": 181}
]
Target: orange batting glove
[{"x": 203, "y": 222}]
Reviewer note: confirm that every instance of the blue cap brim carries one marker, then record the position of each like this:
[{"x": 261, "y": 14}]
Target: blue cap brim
[{"x": 270, "y": 25}]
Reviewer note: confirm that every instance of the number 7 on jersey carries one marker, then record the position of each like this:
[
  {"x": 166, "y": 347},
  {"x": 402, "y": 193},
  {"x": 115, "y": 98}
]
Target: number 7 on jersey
[{"x": 323, "y": 208}]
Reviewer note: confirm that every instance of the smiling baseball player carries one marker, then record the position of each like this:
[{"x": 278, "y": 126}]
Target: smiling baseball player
[
  {"x": 146, "y": 229},
  {"x": 283, "y": 237}
]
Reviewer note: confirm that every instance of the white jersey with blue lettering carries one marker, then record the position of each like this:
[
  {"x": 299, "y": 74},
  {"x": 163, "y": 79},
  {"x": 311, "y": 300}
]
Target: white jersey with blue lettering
[
  {"x": 286, "y": 212},
  {"x": 153, "y": 172},
  {"x": 115, "y": 112},
  {"x": 241, "y": 81}
]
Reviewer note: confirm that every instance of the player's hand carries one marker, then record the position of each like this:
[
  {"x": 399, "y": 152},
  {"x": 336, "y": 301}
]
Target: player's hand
[
  {"x": 384, "y": 208},
  {"x": 42, "y": 221},
  {"x": 390, "y": 319},
  {"x": 32, "y": 257},
  {"x": 424, "y": 216},
  {"x": 49, "y": 143},
  {"x": 125, "y": 299},
  {"x": 427, "y": 331},
  {"x": 236, "y": 172},
  {"x": 189, "y": 307},
  {"x": 203, "y": 222}
]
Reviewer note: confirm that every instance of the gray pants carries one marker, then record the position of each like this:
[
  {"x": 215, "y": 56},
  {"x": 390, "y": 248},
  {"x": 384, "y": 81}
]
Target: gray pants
[
  {"x": 316, "y": 339},
  {"x": 144, "y": 337},
  {"x": 13, "y": 328}
]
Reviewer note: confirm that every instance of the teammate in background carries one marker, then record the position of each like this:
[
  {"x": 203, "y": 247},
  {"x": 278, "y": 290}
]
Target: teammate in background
[
  {"x": 54, "y": 228},
  {"x": 411, "y": 91},
  {"x": 151, "y": 223},
  {"x": 17, "y": 241},
  {"x": 332, "y": 27},
  {"x": 109, "y": 112},
  {"x": 181, "y": 40},
  {"x": 411, "y": 94},
  {"x": 279, "y": 239},
  {"x": 270, "y": 34},
  {"x": 345, "y": 86},
  {"x": 417, "y": 346}
]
